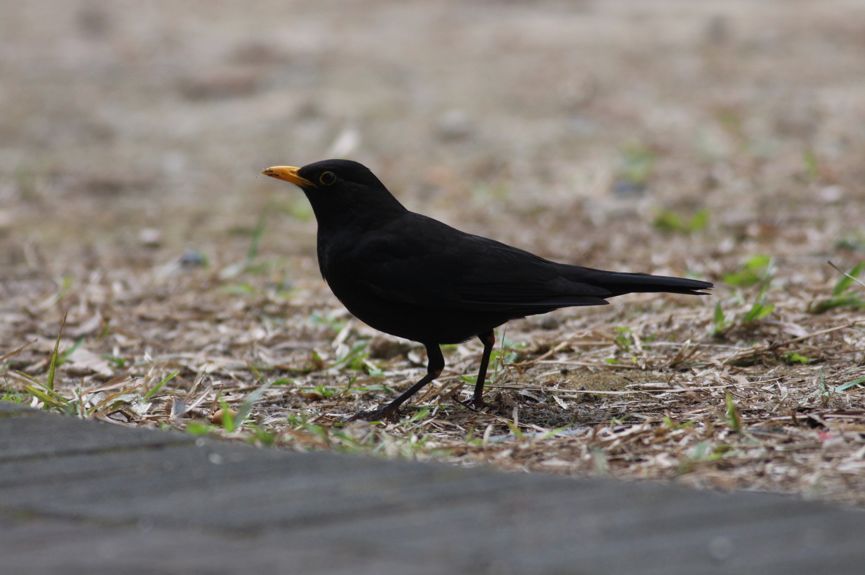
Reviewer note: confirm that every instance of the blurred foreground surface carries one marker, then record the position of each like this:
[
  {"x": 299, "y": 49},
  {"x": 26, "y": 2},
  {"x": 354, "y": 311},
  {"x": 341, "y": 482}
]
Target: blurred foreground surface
[{"x": 83, "y": 497}]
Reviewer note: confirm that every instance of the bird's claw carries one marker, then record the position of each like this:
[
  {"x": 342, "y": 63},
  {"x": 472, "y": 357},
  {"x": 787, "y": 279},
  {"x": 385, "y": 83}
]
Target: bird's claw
[{"x": 473, "y": 403}]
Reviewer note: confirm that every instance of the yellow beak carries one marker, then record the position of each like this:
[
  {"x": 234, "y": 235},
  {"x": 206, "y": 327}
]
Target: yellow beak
[{"x": 287, "y": 173}]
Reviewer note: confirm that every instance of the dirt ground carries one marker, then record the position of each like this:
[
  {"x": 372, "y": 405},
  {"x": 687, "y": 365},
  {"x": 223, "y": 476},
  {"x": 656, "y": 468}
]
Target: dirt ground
[{"x": 722, "y": 140}]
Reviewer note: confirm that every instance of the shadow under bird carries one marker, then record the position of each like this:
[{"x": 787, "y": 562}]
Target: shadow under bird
[{"x": 414, "y": 277}]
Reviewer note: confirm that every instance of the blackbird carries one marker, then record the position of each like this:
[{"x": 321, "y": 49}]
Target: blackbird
[{"x": 414, "y": 277}]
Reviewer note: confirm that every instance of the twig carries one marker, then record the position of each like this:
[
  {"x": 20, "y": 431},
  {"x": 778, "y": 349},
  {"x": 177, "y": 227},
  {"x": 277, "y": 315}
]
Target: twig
[
  {"x": 560, "y": 347},
  {"x": 569, "y": 391},
  {"x": 646, "y": 389},
  {"x": 757, "y": 350},
  {"x": 840, "y": 271},
  {"x": 17, "y": 350},
  {"x": 552, "y": 351},
  {"x": 588, "y": 364}
]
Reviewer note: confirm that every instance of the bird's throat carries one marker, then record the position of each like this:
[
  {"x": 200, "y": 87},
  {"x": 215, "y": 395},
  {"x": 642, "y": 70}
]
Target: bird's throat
[{"x": 362, "y": 211}]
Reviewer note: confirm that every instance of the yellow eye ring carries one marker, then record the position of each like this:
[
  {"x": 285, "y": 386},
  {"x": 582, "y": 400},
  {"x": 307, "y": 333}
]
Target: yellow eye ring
[{"x": 327, "y": 178}]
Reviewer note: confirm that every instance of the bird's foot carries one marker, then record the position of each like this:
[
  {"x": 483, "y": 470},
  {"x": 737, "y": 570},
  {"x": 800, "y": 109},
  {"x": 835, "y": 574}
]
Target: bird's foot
[
  {"x": 474, "y": 403},
  {"x": 385, "y": 413}
]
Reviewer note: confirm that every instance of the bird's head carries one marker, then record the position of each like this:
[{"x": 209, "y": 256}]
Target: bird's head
[
  {"x": 334, "y": 175},
  {"x": 336, "y": 188}
]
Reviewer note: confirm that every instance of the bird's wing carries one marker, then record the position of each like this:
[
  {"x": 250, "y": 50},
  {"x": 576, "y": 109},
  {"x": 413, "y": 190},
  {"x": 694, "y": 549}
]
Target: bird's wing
[{"x": 425, "y": 263}]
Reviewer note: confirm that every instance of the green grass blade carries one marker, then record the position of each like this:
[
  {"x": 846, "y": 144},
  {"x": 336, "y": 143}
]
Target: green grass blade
[
  {"x": 46, "y": 396},
  {"x": 847, "y": 279},
  {"x": 55, "y": 355},
  {"x": 851, "y": 384},
  {"x": 734, "y": 420},
  {"x": 155, "y": 389}
]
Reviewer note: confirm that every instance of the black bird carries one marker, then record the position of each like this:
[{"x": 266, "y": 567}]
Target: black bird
[{"x": 417, "y": 278}]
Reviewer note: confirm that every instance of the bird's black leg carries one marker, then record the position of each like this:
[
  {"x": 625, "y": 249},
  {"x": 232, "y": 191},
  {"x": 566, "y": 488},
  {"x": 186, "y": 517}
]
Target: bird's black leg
[
  {"x": 489, "y": 341},
  {"x": 435, "y": 365}
]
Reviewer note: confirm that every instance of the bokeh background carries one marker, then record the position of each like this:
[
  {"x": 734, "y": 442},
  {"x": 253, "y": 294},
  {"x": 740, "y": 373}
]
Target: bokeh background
[
  {"x": 708, "y": 138},
  {"x": 543, "y": 121}
]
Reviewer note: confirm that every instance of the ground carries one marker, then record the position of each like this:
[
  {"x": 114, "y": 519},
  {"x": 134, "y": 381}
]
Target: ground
[{"x": 719, "y": 140}]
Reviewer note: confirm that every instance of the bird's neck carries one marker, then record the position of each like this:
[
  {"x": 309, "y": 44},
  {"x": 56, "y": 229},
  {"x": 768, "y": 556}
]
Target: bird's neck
[{"x": 354, "y": 211}]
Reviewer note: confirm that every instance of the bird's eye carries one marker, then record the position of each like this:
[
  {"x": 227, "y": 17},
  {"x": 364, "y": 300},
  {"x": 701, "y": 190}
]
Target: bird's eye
[{"x": 327, "y": 178}]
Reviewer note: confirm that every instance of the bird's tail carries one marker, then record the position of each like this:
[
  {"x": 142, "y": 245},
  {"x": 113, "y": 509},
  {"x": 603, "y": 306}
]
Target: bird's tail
[{"x": 619, "y": 283}]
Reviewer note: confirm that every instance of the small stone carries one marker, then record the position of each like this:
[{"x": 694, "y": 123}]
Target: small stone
[
  {"x": 628, "y": 189},
  {"x": 150, "y": 237},
  {"x": 193, "y": 259},
  {"x": 831, "y": 194},
  {"x": 5, "y": 221},
  {"x": 454, "y": 125}
]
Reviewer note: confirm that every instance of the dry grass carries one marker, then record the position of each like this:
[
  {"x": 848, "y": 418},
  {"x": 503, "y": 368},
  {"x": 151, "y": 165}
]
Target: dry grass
[{"x": 192, "y": 294}]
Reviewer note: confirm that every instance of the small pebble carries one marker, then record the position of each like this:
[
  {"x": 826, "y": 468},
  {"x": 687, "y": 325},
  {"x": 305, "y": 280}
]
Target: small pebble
[
  {"x": 193, "y": 259},
  {"x": 831, "y": 194},
  {"x": 5, "y": 221},
  {"x": 628, "y": 189},
  {"x": 454, "y": 125},
  {"x": 150, "y": 237}
]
